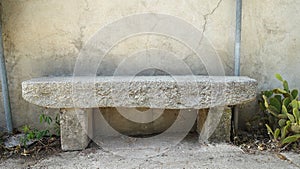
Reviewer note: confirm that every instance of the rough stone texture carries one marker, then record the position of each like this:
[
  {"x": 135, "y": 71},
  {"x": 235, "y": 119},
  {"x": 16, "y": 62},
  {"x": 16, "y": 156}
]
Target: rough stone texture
[
  {"x": 223, "y": 130},
  {"x": 76, "y": 128},
  {"x": 170, "y": 92},
  {"x": 43, "y": 38}
]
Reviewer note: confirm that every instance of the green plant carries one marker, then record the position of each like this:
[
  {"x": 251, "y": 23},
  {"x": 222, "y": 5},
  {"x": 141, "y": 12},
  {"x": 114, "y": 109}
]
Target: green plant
[
  {"x": 282, "y": 106},
  {"x": 35, "y": 134},
  {"x": 48, "y": 120},
  {"x": 32, "y": 134}
]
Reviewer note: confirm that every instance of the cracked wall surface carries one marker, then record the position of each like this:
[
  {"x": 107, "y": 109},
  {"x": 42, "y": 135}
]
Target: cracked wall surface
[{"x": 44, "y": 38}]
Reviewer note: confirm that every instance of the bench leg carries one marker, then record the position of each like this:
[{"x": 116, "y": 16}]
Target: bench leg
[
  {"x": 214, "y": 130},
  {"x": 75, "y": 128}
]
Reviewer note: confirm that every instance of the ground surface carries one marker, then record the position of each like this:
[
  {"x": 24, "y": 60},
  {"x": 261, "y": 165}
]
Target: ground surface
[{"x": 187, "y": 154}]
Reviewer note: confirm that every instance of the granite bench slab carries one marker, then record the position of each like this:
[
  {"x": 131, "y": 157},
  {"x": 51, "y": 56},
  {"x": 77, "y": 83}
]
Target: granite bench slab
[{"x": 176, "y": 92}]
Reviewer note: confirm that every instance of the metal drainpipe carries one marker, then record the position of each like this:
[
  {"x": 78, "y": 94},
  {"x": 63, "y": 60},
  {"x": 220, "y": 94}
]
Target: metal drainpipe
[
  {"x": 237, "y": 50},
  {"x": 5, "y": 93}
]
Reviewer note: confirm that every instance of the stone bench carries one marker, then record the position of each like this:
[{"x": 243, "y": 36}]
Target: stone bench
[{"x": 77, "y": 96}]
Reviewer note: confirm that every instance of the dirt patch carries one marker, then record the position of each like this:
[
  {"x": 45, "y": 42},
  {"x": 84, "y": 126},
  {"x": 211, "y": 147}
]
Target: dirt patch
[{"x": 38, "y": 150}]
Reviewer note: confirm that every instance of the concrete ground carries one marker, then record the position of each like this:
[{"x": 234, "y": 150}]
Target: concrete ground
[{"x": 186, "y": 154}]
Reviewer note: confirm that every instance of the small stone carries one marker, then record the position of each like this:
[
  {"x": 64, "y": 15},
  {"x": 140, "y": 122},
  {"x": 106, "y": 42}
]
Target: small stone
[
  {"x": 16, "y": 140},
  {"x": 261, "y": 147}
]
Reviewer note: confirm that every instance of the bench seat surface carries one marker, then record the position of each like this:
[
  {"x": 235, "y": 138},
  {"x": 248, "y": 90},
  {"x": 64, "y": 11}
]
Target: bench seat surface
[{"x": 170, "y": 92}]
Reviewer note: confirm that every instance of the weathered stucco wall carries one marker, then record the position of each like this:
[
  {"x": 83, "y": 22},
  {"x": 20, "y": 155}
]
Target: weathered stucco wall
[{"x": 44, "y": 38}]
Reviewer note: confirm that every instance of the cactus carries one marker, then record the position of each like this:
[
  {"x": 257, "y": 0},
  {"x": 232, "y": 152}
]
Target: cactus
[{"x": 283, "y": 107}]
